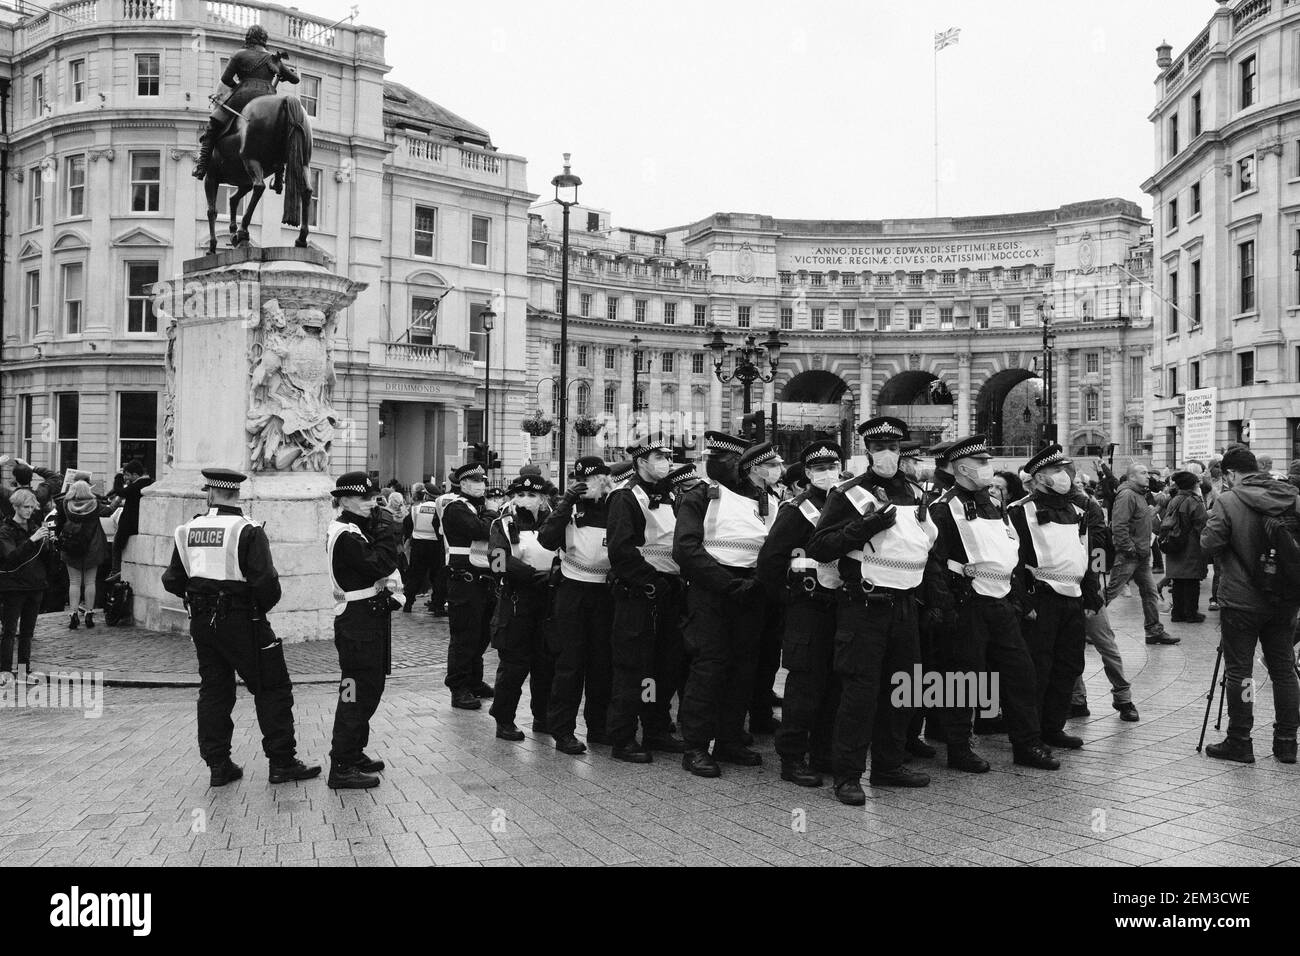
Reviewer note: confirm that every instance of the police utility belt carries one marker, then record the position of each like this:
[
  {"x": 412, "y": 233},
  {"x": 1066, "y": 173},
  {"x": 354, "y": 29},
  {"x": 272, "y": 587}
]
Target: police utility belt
[
  {"x": 377, "y": 601},
  {"x": 864, "y": 592},
  {"x": 974, "y": 570},
  {"x": 663, "y": 584}
]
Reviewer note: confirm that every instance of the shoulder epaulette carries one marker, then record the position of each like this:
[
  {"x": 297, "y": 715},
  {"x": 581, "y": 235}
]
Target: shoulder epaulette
[
  {"x": 714, "y": 491},
  {"x": 1021, "y": 503}
]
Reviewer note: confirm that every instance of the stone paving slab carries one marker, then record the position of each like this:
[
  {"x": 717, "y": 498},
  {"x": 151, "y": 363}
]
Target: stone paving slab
[{"x": 129, "y": 789}]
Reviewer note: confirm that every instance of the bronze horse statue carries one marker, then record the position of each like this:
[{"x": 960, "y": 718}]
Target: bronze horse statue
[{"x": 271, "y": 136}]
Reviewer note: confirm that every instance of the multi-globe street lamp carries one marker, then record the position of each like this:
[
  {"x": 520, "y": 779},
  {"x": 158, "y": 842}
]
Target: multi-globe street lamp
[{"x": 566, "y": 194}]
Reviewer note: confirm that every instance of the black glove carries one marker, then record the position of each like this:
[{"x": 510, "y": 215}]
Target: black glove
[
  {"x": 573, "y": 494},
  {"x": 741, "y": 587},
  {"x": 871, "y": 525}
]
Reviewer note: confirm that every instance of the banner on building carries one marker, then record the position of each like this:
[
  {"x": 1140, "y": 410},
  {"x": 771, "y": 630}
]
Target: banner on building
[
  {"x": 1198, "y": 423},
  {"x": 799, "y": 414}
]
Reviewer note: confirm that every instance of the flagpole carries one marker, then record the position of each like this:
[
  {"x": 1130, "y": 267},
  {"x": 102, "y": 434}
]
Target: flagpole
[{"x": 936, "y": 128}]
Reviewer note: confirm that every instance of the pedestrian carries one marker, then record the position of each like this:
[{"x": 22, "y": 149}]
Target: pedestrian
[
  {"x": 221, "y": 566},
  {"x": 1180, "y": 539},
  {"x": 584, "y": 607},
  {"x": 1130, "y": 524},
  {"x": 1006, "y": 488},
  {"x": 1293, "y": 474},
  {"x": 522, "y": 622},
  {"x": 466, "y": 526},
  {"x": 128, "y": 486},
  {"x": 361, "y": 554},
  {"x": 1236, "y": 536},
  {"x": 83, "y": 547},
  {"x": 27, "y": 548},
  {"x": 1062, "y": 586},
  {"x": 23, "y": 475}
]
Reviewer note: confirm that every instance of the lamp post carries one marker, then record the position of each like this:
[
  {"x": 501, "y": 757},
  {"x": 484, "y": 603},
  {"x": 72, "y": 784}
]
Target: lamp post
[
  {"x": 566, "y": 194},
  {"x": 637, "y": 369},
  {"x": 748, "y": 359},
  {"x": 488, "y": 318},
  {"x": 1045, "y": 310}
]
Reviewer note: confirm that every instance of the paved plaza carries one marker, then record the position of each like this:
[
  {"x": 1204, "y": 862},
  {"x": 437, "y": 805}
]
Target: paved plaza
[{"x": 129, "y": 788}]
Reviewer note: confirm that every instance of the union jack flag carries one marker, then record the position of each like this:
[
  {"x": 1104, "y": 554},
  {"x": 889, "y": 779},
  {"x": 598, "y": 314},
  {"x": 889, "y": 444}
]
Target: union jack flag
[{"x": 946, "y": 38}]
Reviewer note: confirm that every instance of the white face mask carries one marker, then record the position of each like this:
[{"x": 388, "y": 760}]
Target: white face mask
[
  {"x": 767, "y": 475},
  {"x": 1060, "y": 483},
  {"x": 884, "y": 463},
  {"x": 659, "y": 469},
  {"x": 981, "y": 475},
  {"x": 823, "y": 480},
  {"x": 474, "y": 489}
]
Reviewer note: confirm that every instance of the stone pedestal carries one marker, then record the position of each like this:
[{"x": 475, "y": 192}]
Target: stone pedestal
[{"x": 250, "y": 382}]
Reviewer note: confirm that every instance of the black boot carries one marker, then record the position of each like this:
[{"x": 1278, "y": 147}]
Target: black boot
[
  {"x": 665, "y": 743},
  {"x": 350, "y": 778},
  {"x": 796, "y": 771},
  {"x": 465, "y": 700},
  {"x": 964, "y": 758},
  {"x": 700, "y": 763},
  {"x": 205, "y": 155},
  {"x": 850, "y": 792},
  {"x": 569, "y": 744},
  {"x": 1059, "y": 738},
  {"x": 631, "y": 752},
  {"x": 224, "y": 773},
  {"x": 919, "y": 748},
  {"x": 899, "y": 777},
  {"x": 292, "y": 770},
  {"x": 1035, "y": 755},
  {"x": 483, "y": 690},
  {"x": 1284, "y": 750},
  {"x": 506, "y": 730},
  {"x": 741, "y": 756},
  {"x": 370, "y": 765},
  {"x": 1240, "y": 751}
]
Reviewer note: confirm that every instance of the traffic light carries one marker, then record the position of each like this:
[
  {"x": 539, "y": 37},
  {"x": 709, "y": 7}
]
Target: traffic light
[
  {"x": 478, "y": 452},
  {"x": 494, "y": 460},
  {"x": 754, "y": 426}
]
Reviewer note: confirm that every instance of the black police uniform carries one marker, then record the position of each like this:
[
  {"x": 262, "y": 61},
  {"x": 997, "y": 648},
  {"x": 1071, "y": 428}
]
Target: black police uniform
[
  {"x": 426, "y": 549},
  {"x": 466, "y": 528}
]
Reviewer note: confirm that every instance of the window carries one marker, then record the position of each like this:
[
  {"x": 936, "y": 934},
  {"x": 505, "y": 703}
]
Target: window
[
  {"x": 27, "y": 422},
  {"x": 666, "y": 362},
  {"x": 140, "y": 316},
  {"x": 1135, "y": 377},
  {"x": 945, "y": 319},
  {"x": 1196, "y": 114},
  {"x": 697, "y": 363},
  {"x": 1246, "y": 173},
  {"x": 426, "y": 229},
  {"x": 1091, "y": 363},
  {"x": 611, "y": 309},
  {"x": 818, "y": 320},
  {"x": 817, "y": 279},
  {"x": 1196, "y": 199},
  {"x": 309, "y": 93},
  {"x": 787, "y": 318},
  {"x": 1173, "y": 303},
  {"x": 638, "y": 361},
  {"x": 1247, "y": 72},
  {"x": 74, "y": 295},
  {"x": 74, "y": 168},
  {"x": 146, "y": 181},
  {"x": 1135, "y": 439},
  {"x": 742, "y": 316},
  {"x": 555, "y": 353},
  {"x": 478, "y": 337},
  {"x": 883, "y": 319},
  {"x": 38, "y": 95},
  {"x": 593, "y": 222},
  {"x": 137, "y": 429},
  {"x": 1196, "y": 293},
  {"x": 982, "y": 277},
  {"x": 583, "y": 353},
  {"x": 1013, "y": 275},
  {"x": 913, "y": 320},
  {"x": 948, "y": 278},
  {"x": 1013, "y": 316},
  {"x": 1246, "y": 368},
  {"x": 148, "y": 74},
  {"x": 849, "y": 278},
  {"x": 424, "y": 320},
  {"x": 1173, "y": 382},
  {"x": 33, "y": 306},
  {"x": 981, "y": 316},
  {"x": 1173, "y": 214},
  {"x": 1246, "y": 274},
  {"x": 313, "y": 207},
  {"x": 68, "y": 405},
  {"x": 77, "y": 84},
  {"x": 1091, "y": 406},
  {"x": 849, "y": 319},
  {"x": 670, "y": 313},
  {"x": 1194, "y": 374},
  {"x": 914, "y": 279},
  {"x": 559, "y": 300},
  {"x": 786, "y": 278},
  {"x": 478, "y": 240},
  {"x": 639, "y": 312},
  {"x": 884, "y": 280},
  {"x": 700, "y": 315},
  {"x": 611, "y": 400},
  {"x": 36, "y": 197},
  {"x": 584, "y": 305},
  {"x": 1173, "y": 136}
]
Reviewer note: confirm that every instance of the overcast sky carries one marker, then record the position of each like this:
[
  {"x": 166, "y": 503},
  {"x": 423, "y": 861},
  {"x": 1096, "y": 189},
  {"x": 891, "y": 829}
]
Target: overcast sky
[{"x": 822, "y": 109}]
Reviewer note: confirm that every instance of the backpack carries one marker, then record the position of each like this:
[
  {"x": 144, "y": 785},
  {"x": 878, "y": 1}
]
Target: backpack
[
  {"x": 117, "y": 603},
  {"x": 1172, "y": 536},
  {"x": 1277, "y": 569},
  {"x": 76, "y": 537}
]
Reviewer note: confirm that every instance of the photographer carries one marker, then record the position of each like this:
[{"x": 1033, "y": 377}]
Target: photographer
[{"x": 26, "y": 548}]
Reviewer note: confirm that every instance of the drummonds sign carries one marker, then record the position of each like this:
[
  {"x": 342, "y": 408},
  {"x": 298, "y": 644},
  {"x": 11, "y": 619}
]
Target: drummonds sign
[{"x": 918, "y": 254}]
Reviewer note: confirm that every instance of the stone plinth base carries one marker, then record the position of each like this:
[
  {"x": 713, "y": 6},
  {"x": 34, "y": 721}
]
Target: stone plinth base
[{"x": 295, "y": 508}]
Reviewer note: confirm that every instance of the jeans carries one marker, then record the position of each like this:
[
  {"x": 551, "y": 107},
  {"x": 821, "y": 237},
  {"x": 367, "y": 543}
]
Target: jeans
[
  {"x": 19, "y": 618},
  {"x": 1138, "y": 569},
  {"x": 76, "y": 578},
  {"x": 1099, "y": 635},
  {"x": 1270, "y": 628}
]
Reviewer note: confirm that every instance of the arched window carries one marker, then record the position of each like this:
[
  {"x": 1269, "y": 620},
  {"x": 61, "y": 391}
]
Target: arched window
[
  {"x": 583, "y": 400},
  {"x": 611, "y": 399}
]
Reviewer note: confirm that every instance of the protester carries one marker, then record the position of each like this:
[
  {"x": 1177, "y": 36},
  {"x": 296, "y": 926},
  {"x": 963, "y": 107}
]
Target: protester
[
  {"x": 26, "y": 548},
  {"x": 1130, "y": 523},
  {"x": 128, "y": 486},
  {"x": 83, "y": 547},
  {"x": 1184, "y": 560}
]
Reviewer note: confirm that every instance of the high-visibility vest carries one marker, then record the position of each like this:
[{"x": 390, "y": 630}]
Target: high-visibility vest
[
  {"x": 209, "y": 546},
  {"x": 828, "y": 572},
  {"x": 424, "y": 521},
  {"x": 734, "y": 531},
  {"x": 895, "y": 557},
  {"x": 343, "y": 598},
  {"x": 586, "y": 554},
  {"x": 1061, "y": 549},
  {"x": 477, "y": 552},
  {"x": 528, "y": 550},
  {"x": 992, "y": 551},
  {"x": 660, "y": 523}
]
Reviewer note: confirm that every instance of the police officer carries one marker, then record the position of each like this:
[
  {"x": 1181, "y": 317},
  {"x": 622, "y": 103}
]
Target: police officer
[
  {"x": 221, "y": 565},
  {"x": 523, "y": 612},
  {"x": 1062, "y": 586},
  {"x": 877, "y": 528},
  {"x": 766, "y": 472},
  {"x": 426, "y": 545},
  {"x": 621, "y": 474},
  {"x": 466, "y": 526},
  {"x": 647, "y": 648},
  {"x": 979, "y": 597},
  {"x": 681, "y": 480},
  {"x": 909, "y": 465},
  {"x": 795, "y": 481},
  {"x": 584, "y": 606},
  {"x": 361, "y": 549},
  {"x": 721, "y": 527},
  {"x": 811, "y": 689}
]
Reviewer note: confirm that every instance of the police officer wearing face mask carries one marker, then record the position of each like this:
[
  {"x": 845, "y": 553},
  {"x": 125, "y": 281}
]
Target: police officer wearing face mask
[
  {"x": 766, "y": 473},
  {"x": 811, "y": 688},
  {"x": 877, "y": 528},
  {"x": 980, "y": 595},
  {"x": 647, "y": 641},
  {"x": 519, "y": 627},
  {"x": 584, "y": 606},
  {"x": 1062, "y": 586},
  {"x": 466, "y": 527}
]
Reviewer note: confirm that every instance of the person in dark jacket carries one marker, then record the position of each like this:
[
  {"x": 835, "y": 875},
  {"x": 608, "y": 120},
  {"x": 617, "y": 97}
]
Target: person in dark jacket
[
  {"x": 1234, "y": 536},
  {"x": 23, "y": 474},
  {"x": 1184, "y": 519},
  {"x": 26, "y": 545},
  {"x": 128, "y": 487},
  {"x": 1130, "y": 523},
  {"x": 83, "y": 547}
]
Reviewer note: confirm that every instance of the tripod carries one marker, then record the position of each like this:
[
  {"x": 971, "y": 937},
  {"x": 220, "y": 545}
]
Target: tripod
[{"x": 1222, "y": 684}]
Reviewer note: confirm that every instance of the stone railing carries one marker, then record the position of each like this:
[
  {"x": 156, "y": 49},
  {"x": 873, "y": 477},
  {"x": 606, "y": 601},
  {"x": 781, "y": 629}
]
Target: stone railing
[
  {"x": 427, "y": 358},
  {"x": 480, "y": 162},
  {"x": 1247, "y": 13}
]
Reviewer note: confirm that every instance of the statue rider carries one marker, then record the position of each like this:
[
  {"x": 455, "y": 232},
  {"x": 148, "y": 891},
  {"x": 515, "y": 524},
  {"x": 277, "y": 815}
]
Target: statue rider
[{"x": 249, "y": 74}]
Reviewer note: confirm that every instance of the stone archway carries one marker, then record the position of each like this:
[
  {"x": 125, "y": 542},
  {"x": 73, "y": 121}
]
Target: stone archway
[
  {"x": 827, "y": 411},
  {"x": 919, "y": 398},
  {"x": 815, "y": 387},
  {"x": 991, "y": 409}
]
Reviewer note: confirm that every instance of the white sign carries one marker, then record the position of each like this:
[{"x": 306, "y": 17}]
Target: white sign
[
  {"x": 799, "y": 414},
  {"x": 1199, "y": 410}
]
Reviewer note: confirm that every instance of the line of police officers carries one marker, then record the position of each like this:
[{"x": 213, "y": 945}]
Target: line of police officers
[{"x": 660, "y": 583}]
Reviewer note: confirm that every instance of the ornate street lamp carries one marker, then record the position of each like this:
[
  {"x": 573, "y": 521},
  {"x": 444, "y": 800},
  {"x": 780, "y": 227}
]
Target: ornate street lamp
[
  {"x": 1045, "y": 311},
  {"x": 488, "y": 318},
  {"x": 637, "y": 369},
  {"x": 749, "y": 359},
  {"x": 566, "y": 194}
]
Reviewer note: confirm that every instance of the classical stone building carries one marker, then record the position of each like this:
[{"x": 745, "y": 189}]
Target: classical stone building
[
  {"x": 1226, "y": 208},
  {"x": 937, "y": 321},
  {"x": 105, "y": 102}
]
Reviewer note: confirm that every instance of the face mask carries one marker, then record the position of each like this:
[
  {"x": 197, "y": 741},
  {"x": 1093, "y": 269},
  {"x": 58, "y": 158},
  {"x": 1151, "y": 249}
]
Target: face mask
[
  {"x": 980, "y": 475},
  {"x": 768, "y": 476},
  {"x": 823, "y": 480},
  {"x": 721, "y": 470},
  {"x": 884, "y": 463},
  {"x": 1060, "y": 483},
  {"x": 659, "y": 469},
  {"x": 473, "y": 489}
]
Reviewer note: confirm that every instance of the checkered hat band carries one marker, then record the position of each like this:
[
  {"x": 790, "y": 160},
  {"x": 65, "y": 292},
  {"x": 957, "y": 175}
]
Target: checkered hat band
[
  {"x": 1052, "y": 459},
  {"x": 722, "y": 444},
  {"x": 822, "y": 454},
  {"x": 965, "y": 451},
  {"x": 762, "y": 459},
  {"x": 473, "y": 473},
  {"x": 643, "y": 450},
  {"x": 359, "y": 489},
  {"x": 221, "y": 483},
  {"x": 886, "y": 432}
]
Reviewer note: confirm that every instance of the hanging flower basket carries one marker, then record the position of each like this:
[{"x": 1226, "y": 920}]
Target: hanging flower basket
[
  {"x": 537, "y": 424},
  {"x": 587, "y": 427}
]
